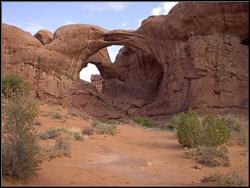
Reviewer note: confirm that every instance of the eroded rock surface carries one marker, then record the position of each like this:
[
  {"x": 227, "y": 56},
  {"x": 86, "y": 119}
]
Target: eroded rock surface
[{"x": 196, "y": 56}]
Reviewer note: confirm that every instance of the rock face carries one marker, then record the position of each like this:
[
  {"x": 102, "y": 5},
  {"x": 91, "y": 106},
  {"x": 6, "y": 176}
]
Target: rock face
[
  {"x": 196, "y": 56},
  {"x": 44, "y": 36},
  {"x": 96, "y": 80}
]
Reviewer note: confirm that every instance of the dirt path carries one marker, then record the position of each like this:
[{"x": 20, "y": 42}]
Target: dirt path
[{"x": 135, "y": 156}]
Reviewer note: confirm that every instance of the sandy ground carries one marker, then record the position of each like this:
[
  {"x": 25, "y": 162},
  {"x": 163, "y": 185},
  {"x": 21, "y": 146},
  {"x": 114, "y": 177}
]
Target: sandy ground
[{"x": 134, "y": 157}]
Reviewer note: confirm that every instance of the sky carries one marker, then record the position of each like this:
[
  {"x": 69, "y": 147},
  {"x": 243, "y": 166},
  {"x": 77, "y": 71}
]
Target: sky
[{"x": 34, "y": 16}]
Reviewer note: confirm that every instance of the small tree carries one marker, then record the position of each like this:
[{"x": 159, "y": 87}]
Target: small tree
[
  {"x": 216, "y": 131},
  {"x": 188, "y": 128},
  {"x": 20, "y": 157}
]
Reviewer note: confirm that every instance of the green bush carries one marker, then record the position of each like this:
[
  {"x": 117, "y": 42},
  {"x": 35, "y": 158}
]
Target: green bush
[
  {"x": 188, "y": 127},
  {"x": 191, "y": 132},
  {"x": 144, "y": 122},
  {"x": 13, "y": 84},
  {"x": 215, "y": 131},
  {"x": 20, "y": 157}
]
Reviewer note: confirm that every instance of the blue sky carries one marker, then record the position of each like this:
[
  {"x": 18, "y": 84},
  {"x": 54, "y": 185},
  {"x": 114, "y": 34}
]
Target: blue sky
[{"x": 33, "y": 16}]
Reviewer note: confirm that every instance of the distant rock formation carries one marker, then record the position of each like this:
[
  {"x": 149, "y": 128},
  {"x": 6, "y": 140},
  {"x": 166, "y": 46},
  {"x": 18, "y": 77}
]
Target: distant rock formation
[{"x": 196, "y": 56}]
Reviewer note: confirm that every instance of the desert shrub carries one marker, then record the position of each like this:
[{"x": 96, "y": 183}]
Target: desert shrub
[
  {"x": 229, "y": 179},
  {"x": 38, "y": 123},
  {"x": 239, "y": 133},
  {"x": 79, "y": 113},
  {"x": 88, "y": 131},
  {"x": 60, "y": 148},
  {"x": 190, "y": 153},
  {"x": 144, "y": 122},
  {"x": 49, "y": 134},
  {"x": 214, "y": 132},
  {"x": 20, "y": 157},
  {"x": 55, "y": 115},
  {"x": 75, "y": 112},
  {"x": 73, "y": 133},
  {"x": 211, "y": 156},
  {"x": 13, "y": 84},
  {"x": 188, "y": 128},
  {"x": 106, "y": 129},
  {"x": 174, "y": 121}
]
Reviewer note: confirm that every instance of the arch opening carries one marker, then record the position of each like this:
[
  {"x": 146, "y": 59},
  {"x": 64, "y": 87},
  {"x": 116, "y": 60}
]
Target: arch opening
[
  {"x": 113, "y": 51},
  {"x": 86, "y": 72}
]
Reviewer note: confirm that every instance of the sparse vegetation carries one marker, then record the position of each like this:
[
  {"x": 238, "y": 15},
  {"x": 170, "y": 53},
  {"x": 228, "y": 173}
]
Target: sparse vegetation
[
  {"x": 49, "y": 134},
  {"x": 144, "y": 122},
  {"x": 52, "y": 115},
  {"x": 229, "y": 179},
  {"x": 78, "y": 113},
  {"x": 60, "y": 148},
  {"x": 72, "y": 133},
  {"x": 55, "y": 115},
  {"x": 106, "y": 129},
  {"x": 239, "y": 131},
  {"x": 20, "y": 157},
  {"x": 88, "y": 131},
  {"x": 209, "y": 156}
]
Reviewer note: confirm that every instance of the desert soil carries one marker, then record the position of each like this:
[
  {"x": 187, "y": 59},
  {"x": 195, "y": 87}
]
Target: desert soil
[{"x": 136, "y": 156}]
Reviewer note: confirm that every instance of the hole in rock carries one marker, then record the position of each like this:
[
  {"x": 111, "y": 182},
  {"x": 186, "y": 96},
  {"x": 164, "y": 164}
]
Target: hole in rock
[
  {"x": 113, "y": 51},
  {"x": 92, "y": 74}
]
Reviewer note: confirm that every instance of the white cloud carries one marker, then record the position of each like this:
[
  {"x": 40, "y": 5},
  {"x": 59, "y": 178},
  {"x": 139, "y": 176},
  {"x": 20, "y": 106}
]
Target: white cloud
[
  {"x": 124, "y": 24},
  {"x": 164, "y": 8},
  {"x": 113, "y": 51},
  {"x": 116, "y": 6},
  {"x": 85, "y": 74},
  {"x": 33, "y": 28}
]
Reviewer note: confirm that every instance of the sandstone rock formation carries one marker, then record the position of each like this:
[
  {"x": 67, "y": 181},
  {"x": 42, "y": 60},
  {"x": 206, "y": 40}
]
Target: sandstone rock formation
[
  {"x": 44, "y": 36},
  {"x": 96, "y": 80},
  {"x": 196, "y": 56}
]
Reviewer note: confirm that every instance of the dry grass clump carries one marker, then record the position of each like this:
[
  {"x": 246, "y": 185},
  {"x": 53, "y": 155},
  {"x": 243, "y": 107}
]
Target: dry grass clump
[
  {"x": 88, "y": 131},
  {"x": 104, "y": 128},
  {"x": 49, "y": 134},
  {"x": 60, "y": 148},
  {"x": 209, "y": 156},
  {"x": 72, "y": 133},
  {"x": 52, "y": 115},
  {"x": 78, "y": 113},
  {"x": 229, "y": 179},
  {"x": 239, "y": 131}
]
